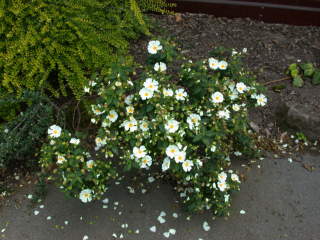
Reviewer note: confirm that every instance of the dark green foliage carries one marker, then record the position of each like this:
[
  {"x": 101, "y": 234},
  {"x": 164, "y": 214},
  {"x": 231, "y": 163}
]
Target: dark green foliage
[
  {"x": 53, "y": 44},
  {"x": 21, "y": 137}
]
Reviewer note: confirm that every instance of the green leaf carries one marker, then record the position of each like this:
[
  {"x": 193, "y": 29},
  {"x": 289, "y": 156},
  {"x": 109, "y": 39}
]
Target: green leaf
[
  {"x": 316, "y": 77},
  {"x": 297, "y": 81},
  {"x": 308, "y": 69},
  {"x": 294, "y": 73},
  {"x": 293, "y": 67}
]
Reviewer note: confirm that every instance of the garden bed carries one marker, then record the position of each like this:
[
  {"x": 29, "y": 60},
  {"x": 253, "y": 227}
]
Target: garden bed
[{"x": 271, "y": 49}]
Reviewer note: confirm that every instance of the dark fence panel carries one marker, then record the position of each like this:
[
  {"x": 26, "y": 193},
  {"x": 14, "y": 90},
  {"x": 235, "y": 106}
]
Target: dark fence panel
[{"x": 296, "y": 12}]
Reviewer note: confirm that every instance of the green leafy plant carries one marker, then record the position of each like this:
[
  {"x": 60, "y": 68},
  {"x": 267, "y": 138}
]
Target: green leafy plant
[
  {"x": 53, "y": 45},
  {"x": 299, "y": 72},
  {"x": 20, "y": 137},
  {"x": 187, "y": 125}
]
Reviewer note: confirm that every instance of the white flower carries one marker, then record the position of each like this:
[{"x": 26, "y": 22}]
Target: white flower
[
  {"x": 172, "y": 126},
  {"x": 213, "y": 63},
  {"x": 86, "y": 195},
  {"x": 193, "y": 120},
  {"x": 92, "y": 83},
  {"x": 85, "y": 237},
  {"x": 205, "y": 226},
  {"x": 213, "y": 148},
  {"x": 160, "y": 66},
  {"x": 112, "y": 116},
  {"x": 222, "y": 186},
  {"x": 130, "y": 125},
  {"x": 244, "y": 50},
  {"x": 180, "y": 157},
  {"x": 237, "y": 153},
  {"x": 181, "y": 94},
  {"x": 86, "y": 89},
  {"x": 90, "y": 164},
  {"x": 153, "y": 229},
  {"x": 223, "y": 65},
  {"x": 54, "y": 131},
  {"x": 154, "y": 46},
  {"x": 146, "y": 161},
  {"x": 224, "y": 114},
  {"x": 261, "y": 100},
  {"x": 100, "y": 142},
  {"x": 61, "y": 159},
  {"x": 128, "y": 99},
  {"x": 241, "y": 87},
  {"x": 161, "y": 220},
  {"x": 217, "y": 97},
  {"x": 140, "y": 152},
  {"x": 75, "y": 141},
  {"x": 96, "y": 109},
  {"x": 144, "y": 126},
  {"x": 166, "y": 164},
  {"x": 235, "y": 177},
  {"x": 151, "y": 84},
  {"x": 166, "y": 234},
  {"x": 242, "y": 211},
  {"x": 151, "y": 179},
  {"x": 236, "y": 107},
  {"x": 226, "y": 197},
  {"x": 222, "y": 177},
  {"x": 94, "y": 121},
  {"x": 172, "y": 150},
  {"x": 145, "y": 93},
  {"x": 167, "y": 92},
  {"x": 187, "y": 165},
  {"x": 130, "y": 109},
  {"x": 214, "y": 185}
]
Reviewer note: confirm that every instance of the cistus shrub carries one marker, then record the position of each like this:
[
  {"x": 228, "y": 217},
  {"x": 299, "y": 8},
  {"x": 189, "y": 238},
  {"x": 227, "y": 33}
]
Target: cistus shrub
[
  {"x": 187, "y": 124},
  {"x": 52, "y": 45}
]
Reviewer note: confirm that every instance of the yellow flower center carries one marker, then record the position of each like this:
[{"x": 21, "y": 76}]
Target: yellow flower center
[
  {"x": 130, "y": 125},
  {"x": 155, "y": 47},
  {"x": 55, "y": 131},
  {"x": 111, "y": 115},
  {"x": 171, "y": 126}
]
